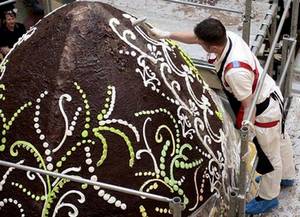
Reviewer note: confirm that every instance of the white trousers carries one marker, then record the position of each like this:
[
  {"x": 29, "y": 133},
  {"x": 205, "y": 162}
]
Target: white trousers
[{"x": 277, "y": 149}]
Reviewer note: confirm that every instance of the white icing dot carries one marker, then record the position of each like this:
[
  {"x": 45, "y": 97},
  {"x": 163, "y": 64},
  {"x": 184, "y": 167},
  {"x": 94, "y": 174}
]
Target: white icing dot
[
  {"x": 10, "y": 200},
  {"x": 101, "y": 193},
  {"x": 1, "y": 203},
  {"x": 37, "y": 113},
  {"x": 36, "y": 125},
  {"x": 42, "y": 137},
  {"x": 76, "y": 113},
  {"x": 37, "y": 107},
  {"x": 96, "y": 187},
  {"x": 87, "y": 149},
  {"x": 88, "y": 154},
  {"x": 19, "y": 205},
  {"x": 5, "y": 200},
  {"x": 23, "y": 215},
  {"x": 15, "y": 202},
  {"x": 42, "y": 95},
  {"x": 88, "y": 161},
  {"x": 22, "y": 210},
  {"x": 73, "y": 123},
  {"x": 133, "y": 53},
  {"x": 123, "y": 206},
  {"x": 118, "y": 203},
  {"x": 94, "y": 178},
  {"x": 79, "y": 109},
  {"x": 112, "y": 200},
  {"x": 38, "y": 131},
  {"x": 106, "y": 196},
  {"x": 36, "y": 119},
  {"x": 38, "y": 100},
  {"x": 91, "y": 169},
  {"x": 47, "y": 152},
  {"x": 50, "y": 167},
  {"x": 45, "y": 145},
  {"x": 120, "y": 51},
  {"x": 49, "y": 158},
  {"x": 46, "y": 92},
  {"x": 72, "y": 128}
]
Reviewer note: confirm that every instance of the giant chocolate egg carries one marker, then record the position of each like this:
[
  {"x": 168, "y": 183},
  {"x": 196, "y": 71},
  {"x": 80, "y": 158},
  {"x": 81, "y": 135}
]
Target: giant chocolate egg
[{"x": 88, "y": 94}]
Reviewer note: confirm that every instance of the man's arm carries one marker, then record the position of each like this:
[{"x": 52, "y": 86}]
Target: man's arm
[
  {"x": 184, "y": 37},
  {"x": 246, "y": 103}
]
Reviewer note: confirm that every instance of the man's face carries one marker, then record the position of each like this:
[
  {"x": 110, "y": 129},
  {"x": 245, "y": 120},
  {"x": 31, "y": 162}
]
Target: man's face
[
  {"x": 205, "y": 46},
  {"x": 10, "y": 20}
]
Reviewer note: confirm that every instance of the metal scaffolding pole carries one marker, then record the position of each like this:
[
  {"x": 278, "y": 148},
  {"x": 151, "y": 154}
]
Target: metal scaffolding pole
[
  {"x": 247, "y": 21},
  {"x": 7, "y": 2},
  {"x": 205, "y": 6},
  {"x": 174, "y": 203}
]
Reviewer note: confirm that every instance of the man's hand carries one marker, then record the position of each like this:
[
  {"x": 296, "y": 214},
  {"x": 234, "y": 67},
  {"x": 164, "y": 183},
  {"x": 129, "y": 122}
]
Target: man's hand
[{"x": 159, "y": 34}]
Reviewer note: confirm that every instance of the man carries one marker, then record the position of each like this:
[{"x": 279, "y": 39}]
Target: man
[
  {"x": 239, "y": 71},
  {"x": 10, "y": 32}
]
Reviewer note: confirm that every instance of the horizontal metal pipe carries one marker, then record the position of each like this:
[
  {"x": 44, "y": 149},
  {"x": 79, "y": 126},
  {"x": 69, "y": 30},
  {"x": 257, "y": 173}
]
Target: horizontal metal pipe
[
  {"x": 7, "y": 2},
  {"x": 286, "y": 66},
  {"x": 269, "y": 59},
  {"x": 206, "y": 6},
  {"x": 87, "y": 181}
]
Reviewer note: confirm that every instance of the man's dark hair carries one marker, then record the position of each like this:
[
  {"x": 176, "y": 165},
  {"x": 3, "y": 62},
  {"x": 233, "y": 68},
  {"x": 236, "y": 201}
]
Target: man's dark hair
[{"x": 211, "y": 31}]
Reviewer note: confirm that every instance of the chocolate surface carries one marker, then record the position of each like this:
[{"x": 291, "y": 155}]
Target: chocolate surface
[{"x": 85, "y": 93}]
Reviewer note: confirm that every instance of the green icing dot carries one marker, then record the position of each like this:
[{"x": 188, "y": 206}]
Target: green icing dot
[
  {"x": 3, "y": 140},
  {"x": 88, "y": 113},
  {"x": 64, "y": 158},
  {"x": 33, "y": 196},
  {"x": 59, "y": 164},
  {"x": 166, "y": 179},
  {"x": 85, "y": 101},
  {"x": 88, "y": 119},
  {"x": 2, "y": 148},
  {"x": 162, "y": 166},
  {"x": 87, "y": 126},
  {"x": 182, "y": 165},
  {"x": 83, "y": 96},
  {"x": 168, "y": 142},
  {"x": 84, "y": 186},
  {"x": 180, "y": 192},
  {"x": 86, "y": 106},
  {"x": 84, "y": 133},
  {"x": 177, "y": 164},
  {"x": 186, "y": 200},
  {"x": 107, "y": 99},
  {"x": 178, "y": 140},
  {"x": 73, "y": 148},
  {"x": 69, "y": 153},
  {"x": 103, "y": 111},
  {"x": 106, "y": 106},
  {"x": 109, "y": 92},
  {"x": 162, "y": 159},
  {"x": 37, "y": 198},
  {"x": 3, "y": 132},
  {"x": 163, "y": 173},
  {"x": 19, "y": 111},
  {"x": 100, "y": 117},
  {"x": 175, "y": 187},
  {"x": 163, "y": 153}
]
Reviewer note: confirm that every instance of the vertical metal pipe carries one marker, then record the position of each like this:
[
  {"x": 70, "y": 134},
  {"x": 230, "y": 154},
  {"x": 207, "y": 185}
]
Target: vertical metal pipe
[
  {"x": 294, "y": 22},
  {"x": 284, "y": 54},
  {"x": 232, "y": 206},
  {"x": 247, "y": 21},
  {"x": 176, "y": 206},
  {"x": 271, "y": 40},
  {"x": 243, "y": 171}
]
